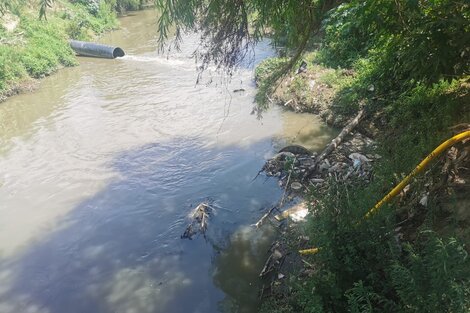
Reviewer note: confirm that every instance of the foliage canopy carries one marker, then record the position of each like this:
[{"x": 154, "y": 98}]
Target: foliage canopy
[
  {"x": 422, "y": 40},
  {"x": 229, "y": 29}
]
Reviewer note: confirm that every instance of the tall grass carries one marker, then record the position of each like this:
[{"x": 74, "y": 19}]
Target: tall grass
[{"x": 37, "y": 48}]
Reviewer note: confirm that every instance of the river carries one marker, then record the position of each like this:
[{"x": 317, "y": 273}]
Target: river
[{"x": 100, "y": 167}]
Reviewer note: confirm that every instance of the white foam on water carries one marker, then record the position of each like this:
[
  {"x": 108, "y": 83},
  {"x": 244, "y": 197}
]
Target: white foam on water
[{"x": 157, "y": 59}]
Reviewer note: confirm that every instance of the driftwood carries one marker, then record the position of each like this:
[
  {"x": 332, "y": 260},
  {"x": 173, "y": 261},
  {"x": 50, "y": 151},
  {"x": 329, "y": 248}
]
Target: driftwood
[
  {"x": 199, "y": 219},
  {"x": 336, "y": 142},
  {"x": 274, "y": 261},
  {"x": 265, "y": 216},
  {"x": 279, "y": 206}
]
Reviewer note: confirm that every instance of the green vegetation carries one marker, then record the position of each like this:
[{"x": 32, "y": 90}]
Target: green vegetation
[
  {"x": 36, "y": 47},
  {"x": 93, "y": 6},
  {"x": 410, "y": 73},
  {"x": 229, "y": 29},
  {"x": 407, "y": 64},
  {"x": 375, "y": 265}
]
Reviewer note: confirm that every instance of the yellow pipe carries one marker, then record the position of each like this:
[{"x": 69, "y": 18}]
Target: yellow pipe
[
  {"x": 309, "y": 251},
  {"x": 398, "y": 188}
]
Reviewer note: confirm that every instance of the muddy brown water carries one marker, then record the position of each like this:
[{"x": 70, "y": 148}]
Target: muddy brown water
[{"x": 100, "y": 167}]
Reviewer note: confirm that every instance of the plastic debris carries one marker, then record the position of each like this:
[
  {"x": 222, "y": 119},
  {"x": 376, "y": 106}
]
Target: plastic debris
[{"x": 296, "y": 186}]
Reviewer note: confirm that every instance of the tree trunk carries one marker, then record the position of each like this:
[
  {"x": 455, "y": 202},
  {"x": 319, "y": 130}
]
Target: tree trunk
[{"x": 336, "y": 142}]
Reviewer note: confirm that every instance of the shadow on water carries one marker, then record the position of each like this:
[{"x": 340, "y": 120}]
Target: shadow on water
[{"x": 120, "y": 251}]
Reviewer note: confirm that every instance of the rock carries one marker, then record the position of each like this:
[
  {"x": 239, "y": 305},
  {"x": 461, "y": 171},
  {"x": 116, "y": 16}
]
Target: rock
[{"x": 280, "y": 276}]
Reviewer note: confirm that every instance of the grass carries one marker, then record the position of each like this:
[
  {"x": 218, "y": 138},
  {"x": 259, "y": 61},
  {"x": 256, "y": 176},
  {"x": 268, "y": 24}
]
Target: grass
[
  {"x": 37, "y": 48},
  {"x": 314, "y": 91}
]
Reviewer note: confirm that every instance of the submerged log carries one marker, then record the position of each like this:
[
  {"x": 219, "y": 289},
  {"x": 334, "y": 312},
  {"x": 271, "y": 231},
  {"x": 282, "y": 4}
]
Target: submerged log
[{"x": 274, "y": 261}]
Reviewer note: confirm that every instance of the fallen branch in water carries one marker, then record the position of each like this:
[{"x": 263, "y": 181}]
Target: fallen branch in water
[
  {"x": 199, "y": 220},
  {"x": 274, "y": 261},
  {"x": 336, "y": 142},
  {"x": 279, "y": 206},
  {"x": 265, "y": 216}
]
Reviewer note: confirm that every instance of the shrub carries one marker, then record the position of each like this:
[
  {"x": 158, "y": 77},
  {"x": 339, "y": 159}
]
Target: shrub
[
  {"x": 413, "y": 40},
  {"x": 361, "y": 267},
  {"x": 41, "y": 46},
  {"x": 47, "y": 47},
  {"x": 124, "y": 5},
  {"x": 92, "y": 6}
]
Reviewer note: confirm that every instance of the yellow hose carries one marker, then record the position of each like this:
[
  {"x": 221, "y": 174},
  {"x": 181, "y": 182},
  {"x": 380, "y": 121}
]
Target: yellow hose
[
  {"x": 398, "y": 188},
  {"x": 309, "y": 251}
]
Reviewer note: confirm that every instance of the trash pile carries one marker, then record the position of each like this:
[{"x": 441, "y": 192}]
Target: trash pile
[{"x": 348, "y": 161}]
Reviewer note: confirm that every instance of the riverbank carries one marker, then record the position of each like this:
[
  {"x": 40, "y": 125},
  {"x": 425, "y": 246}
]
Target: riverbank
[
  {"x": 370, "y": 263},
  {"x": 32, "y": 48}
]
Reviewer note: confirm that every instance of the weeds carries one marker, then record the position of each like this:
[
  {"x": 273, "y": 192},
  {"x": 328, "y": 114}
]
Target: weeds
[
  {"x": 402, "y": 259},
  {"x": 37, "y": 48}
]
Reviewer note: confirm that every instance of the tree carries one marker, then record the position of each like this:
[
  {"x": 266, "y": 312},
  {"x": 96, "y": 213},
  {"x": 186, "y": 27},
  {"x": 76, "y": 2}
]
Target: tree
[{"x": 230, "y": 28}]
